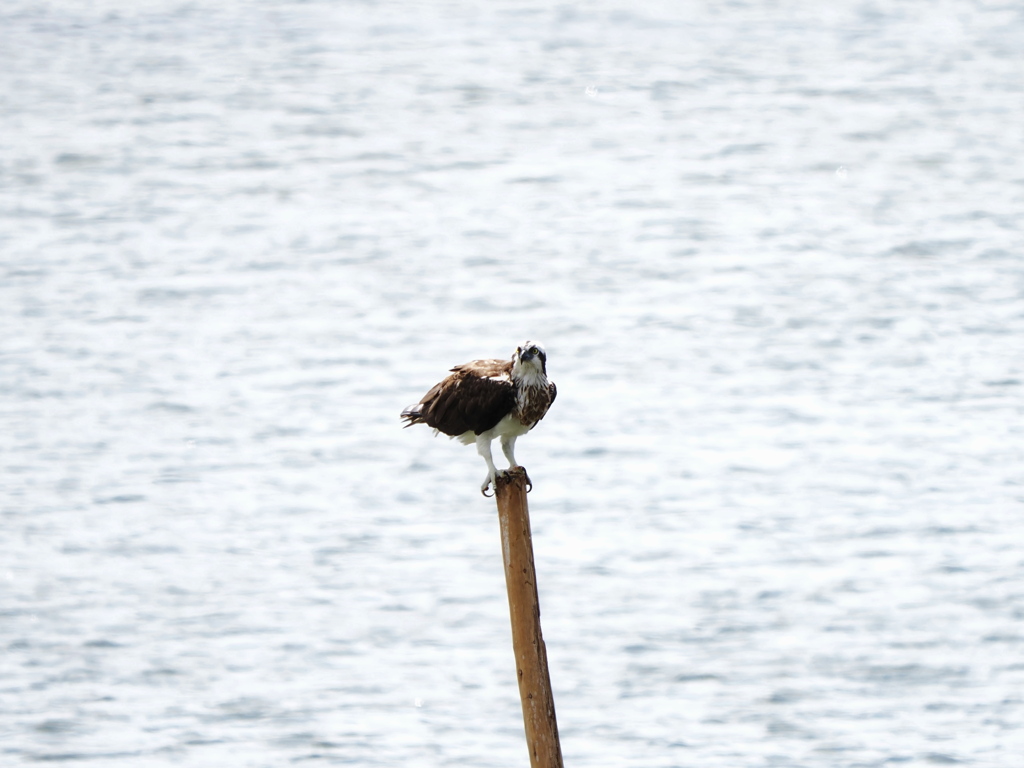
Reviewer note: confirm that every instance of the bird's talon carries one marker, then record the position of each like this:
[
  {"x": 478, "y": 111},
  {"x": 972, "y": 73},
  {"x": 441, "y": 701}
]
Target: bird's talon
[
  {"x": 526, "y": 479},
  {"x": 490, "y": 483}
]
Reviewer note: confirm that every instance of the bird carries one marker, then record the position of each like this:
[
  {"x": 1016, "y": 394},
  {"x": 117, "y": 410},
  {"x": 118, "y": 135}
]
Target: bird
[{"x": 484, "y": 399}]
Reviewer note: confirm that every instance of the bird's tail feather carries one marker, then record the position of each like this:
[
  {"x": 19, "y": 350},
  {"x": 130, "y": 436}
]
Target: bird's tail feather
[{"x": 412, "y": 415}]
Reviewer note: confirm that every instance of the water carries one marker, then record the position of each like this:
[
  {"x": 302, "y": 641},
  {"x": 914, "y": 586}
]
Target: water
[{"x": 774, "y": 251}]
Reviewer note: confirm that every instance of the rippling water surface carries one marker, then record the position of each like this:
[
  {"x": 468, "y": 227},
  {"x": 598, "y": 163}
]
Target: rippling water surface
[{"x": 774, "y": 250}]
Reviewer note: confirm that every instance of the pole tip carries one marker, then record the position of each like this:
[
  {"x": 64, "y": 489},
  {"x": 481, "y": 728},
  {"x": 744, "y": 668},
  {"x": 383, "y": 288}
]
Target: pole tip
[{"x": 514, "y": 476}]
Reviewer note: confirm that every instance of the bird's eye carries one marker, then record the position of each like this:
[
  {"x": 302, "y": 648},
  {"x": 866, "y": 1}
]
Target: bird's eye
[{"x": 534, "y": 351}]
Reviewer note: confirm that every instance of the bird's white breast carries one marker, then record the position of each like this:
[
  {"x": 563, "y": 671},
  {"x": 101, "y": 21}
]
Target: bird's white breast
[{"x": 509, "y": 426}]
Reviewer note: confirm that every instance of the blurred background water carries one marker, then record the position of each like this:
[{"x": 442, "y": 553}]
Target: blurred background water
[{"x": 774, "y": 250}]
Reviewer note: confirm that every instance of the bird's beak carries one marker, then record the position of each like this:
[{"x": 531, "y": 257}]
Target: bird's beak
[{"x": 525, "y": 356}]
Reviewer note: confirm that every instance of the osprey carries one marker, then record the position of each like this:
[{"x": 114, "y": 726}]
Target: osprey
[{"x": 486, "y": 399}]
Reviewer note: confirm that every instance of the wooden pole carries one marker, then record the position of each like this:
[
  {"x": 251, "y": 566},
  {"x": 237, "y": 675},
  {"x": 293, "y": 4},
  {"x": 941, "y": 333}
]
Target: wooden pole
[{"x": 524, "y": 608}]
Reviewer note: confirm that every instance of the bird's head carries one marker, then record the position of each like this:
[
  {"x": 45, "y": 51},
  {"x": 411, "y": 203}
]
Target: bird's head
[{"x": 530, "y": 359}]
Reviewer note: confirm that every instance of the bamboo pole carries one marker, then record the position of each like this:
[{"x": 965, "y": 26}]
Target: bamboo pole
[{"x": 524, "y": 609}]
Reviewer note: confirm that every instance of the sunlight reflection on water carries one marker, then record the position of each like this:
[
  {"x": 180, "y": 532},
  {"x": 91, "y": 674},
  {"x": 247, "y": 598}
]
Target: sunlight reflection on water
[{"x": 774, "y": 256}]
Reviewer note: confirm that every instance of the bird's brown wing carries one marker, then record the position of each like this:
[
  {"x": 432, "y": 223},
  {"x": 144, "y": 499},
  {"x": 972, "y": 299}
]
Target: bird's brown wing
[{"x": 474, "y": 398}]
